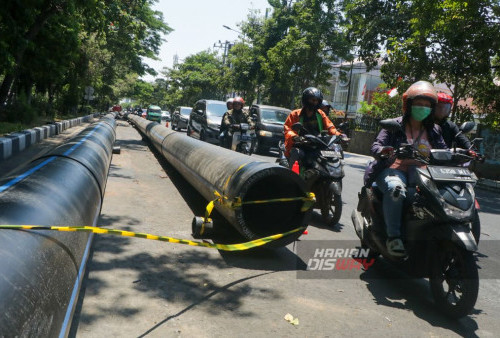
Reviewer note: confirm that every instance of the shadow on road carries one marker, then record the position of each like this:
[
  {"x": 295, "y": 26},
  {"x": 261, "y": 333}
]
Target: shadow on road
[
  {"x": 391, "y": 287},
  {"x": 177, "y": 277},
  {"x": 488, "y": 201}
]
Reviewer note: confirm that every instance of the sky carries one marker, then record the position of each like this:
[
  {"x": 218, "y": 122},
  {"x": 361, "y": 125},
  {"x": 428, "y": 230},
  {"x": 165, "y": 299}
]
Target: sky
[{"x": 197, "y": 26}]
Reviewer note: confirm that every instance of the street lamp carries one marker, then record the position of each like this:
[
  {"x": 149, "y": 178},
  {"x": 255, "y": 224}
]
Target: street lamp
[{"x": 231, "y": 29}]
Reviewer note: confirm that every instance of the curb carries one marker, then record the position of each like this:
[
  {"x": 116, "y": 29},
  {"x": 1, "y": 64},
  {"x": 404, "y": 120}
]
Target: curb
[{"x": 13, "y": 143}]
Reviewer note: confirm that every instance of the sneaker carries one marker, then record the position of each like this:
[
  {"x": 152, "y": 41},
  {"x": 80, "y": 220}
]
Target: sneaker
[{"x": 396, "y": 247}]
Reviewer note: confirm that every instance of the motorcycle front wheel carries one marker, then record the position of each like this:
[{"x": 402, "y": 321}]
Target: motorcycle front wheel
[
  {"x": 332, "y": 208},
  {"x": 454, "y": 281}
]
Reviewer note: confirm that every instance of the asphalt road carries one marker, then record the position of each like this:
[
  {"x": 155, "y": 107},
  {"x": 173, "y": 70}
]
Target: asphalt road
[{"x": 136, "y": 287}]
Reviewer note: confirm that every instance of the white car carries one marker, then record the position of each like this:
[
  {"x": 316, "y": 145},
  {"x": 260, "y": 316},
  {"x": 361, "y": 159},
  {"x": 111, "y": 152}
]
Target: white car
[{"x": 165, "y": 115}]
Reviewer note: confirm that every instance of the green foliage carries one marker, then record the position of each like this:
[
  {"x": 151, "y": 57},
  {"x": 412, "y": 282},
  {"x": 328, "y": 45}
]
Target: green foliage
[
  {"x": 448, "y": 41},
  {"x": 289, "y": 51},
  {"x": 200, "y": 76},
  {"x": 50, "y": 50},
  {"x": 383, "y": 106}
]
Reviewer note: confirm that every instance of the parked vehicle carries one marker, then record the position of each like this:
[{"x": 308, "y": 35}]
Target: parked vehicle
[
  {"x": 322, "y": 169},
  {"x": 180, "y": 118},
  {"x": 436, "y": 224},
  {"x": 205, "y": 120},
  {"x": 165, "y": 116},
  {"x": 153, "y": 113},
  {"x": 269, "y": 123}
]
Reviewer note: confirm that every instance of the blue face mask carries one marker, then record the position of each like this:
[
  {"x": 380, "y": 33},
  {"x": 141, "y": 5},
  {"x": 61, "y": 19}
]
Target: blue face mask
[{"x": 420, "y": 113}]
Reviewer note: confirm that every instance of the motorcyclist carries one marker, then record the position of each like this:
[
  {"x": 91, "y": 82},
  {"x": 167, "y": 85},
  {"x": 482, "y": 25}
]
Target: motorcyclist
[
  {"x": 229, "y": 103},
  {"x": 233, "y": 118},
  {"x": 312, "y": 118},
  {"x": 392, "y": 175},
  {"x": 326, "y": 107},
  {"x": 449, "y": 128}
]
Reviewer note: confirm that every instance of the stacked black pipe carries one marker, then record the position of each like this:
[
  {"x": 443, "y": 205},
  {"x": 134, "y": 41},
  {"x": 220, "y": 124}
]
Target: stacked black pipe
[{"x": 41, "y": 271}]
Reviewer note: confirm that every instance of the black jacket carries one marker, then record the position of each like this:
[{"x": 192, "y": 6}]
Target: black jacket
[{"x": 449, "y": 130}]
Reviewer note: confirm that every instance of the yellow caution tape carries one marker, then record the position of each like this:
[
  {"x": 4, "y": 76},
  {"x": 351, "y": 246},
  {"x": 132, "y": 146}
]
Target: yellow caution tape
[
  {"x": 223, "y": 200},
  {"x": 97, "y": 230}
]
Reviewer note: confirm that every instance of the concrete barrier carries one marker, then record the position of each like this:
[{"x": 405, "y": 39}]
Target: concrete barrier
[{"x": 13, "y": 143}]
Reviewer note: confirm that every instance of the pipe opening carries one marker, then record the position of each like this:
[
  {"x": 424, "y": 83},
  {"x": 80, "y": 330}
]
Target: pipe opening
[{"x": 277, "y": 217}]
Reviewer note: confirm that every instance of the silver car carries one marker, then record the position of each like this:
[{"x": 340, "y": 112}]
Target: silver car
[{"x": 180, "y": 118}]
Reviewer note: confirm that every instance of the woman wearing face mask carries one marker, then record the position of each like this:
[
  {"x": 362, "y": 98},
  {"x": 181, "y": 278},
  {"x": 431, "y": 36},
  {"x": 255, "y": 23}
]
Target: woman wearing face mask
[{"x": 390, "y": 174}]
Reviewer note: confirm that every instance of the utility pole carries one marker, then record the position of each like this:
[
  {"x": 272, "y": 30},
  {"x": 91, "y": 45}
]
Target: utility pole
[
  {"x": 349, "y": 90},
  {"x": 226, "y": 46}
]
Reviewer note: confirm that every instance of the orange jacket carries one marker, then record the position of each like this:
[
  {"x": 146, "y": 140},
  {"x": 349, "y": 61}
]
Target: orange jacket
[{"x": 294, "y": 117}]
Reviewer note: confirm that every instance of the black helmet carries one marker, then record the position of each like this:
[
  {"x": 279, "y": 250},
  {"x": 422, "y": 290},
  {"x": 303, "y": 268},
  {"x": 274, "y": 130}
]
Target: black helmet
[{"x": 311, "y": 92}]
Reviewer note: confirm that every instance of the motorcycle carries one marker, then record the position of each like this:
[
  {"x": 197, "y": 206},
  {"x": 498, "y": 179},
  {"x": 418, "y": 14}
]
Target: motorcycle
[
  {"x": 243, "y": 141},
  {"x": 322, "y": 169},
  {"x": 436, "y": 225}
]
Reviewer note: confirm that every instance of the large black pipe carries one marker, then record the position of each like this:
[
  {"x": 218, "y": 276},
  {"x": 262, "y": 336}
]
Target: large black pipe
[
  {"x": 208, "y": 168},
  {"x": 41, "y": 272}
]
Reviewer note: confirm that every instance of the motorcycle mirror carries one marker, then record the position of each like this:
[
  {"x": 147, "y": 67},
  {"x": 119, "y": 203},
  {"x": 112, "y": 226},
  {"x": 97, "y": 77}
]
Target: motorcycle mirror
[
  {"x": 390, "y": 124},
  {"x": 477, "y": 140},
  {"x": 467, "y": 127},
  {"x": 296, "y": 127}
]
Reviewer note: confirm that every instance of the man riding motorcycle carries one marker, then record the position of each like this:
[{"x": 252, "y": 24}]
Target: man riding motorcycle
[
  {"x": 313, "y": 120},
  {"x": 326, "y": 107},
  {"x": 449, "y": 128},
  {"x": 392, "y": 175},
  {"x": 232, "y": 118}
]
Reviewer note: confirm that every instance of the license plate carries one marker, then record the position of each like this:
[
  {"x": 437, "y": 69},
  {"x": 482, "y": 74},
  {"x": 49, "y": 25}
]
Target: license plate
[
  {"x": 458, "y": 174},
  {"x": 329, "y": 153},
  {"x": 245, "y": 138}
]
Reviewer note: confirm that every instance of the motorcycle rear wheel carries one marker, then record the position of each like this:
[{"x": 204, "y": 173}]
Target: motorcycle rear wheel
[{"x": 454, "y": 272}]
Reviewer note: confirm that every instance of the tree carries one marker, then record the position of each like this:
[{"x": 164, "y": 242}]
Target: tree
[
  {"x": 448, "y": 41},
  {"x": 198, "y": 77},
  {"x": 54, "y": 48},
  {"x": 291, "y": 50}
]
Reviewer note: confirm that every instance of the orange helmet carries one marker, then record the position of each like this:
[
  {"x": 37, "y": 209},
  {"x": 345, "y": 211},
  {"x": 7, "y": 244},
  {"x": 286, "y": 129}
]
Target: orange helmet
[{"x": 420, "y": 89}]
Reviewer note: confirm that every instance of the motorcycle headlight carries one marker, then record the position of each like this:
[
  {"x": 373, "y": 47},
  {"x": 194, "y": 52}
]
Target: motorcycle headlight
[
  {"x": 265, "y": 133},
  {"x": 456, "y": 213}
]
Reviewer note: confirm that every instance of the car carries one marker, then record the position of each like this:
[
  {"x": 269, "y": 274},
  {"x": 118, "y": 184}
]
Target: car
[
  {"x": 180, "y": 117},
  {"x": 153, "y": 113},
  {"x": 165, "y": 115},
  {"x": 269, "y": 121},
  {"x": 205, "y": 120}
]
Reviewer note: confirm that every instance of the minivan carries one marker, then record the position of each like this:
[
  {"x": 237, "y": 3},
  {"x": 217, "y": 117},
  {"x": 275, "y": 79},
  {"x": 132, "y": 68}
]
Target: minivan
[
  {"x": 180, "y": 118},
  {"x": 269, "y": 124},
  {"x": 205, "y": 120},
  {"x": 153, "y": 113}
]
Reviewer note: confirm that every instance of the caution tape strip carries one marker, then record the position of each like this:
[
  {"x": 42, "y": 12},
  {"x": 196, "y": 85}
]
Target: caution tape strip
[
  {"x": 223, "y": 200},
  {"x": 97, "y": 230}
]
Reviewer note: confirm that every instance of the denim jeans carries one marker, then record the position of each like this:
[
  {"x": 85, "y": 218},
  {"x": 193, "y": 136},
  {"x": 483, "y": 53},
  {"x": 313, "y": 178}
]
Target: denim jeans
[{"x": 389, "y": 182}]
